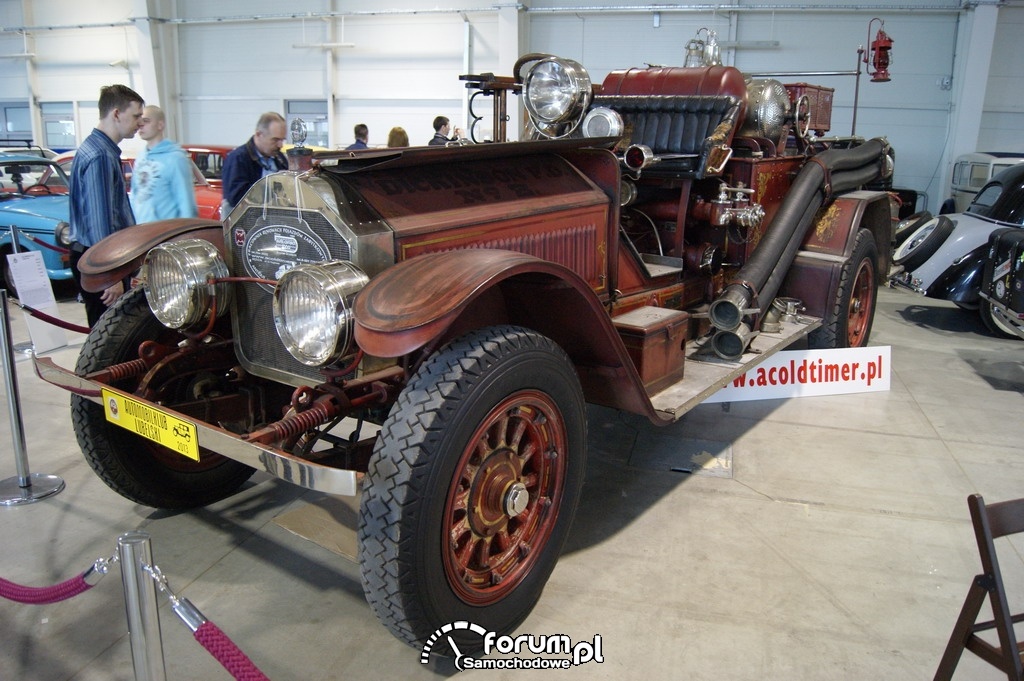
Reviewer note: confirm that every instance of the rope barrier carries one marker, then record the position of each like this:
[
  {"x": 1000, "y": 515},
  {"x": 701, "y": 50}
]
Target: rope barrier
[
  {"x": 31, "y": 595},
  {"x": 43, "y": 595},
  {"x": 62, "y": 251},
  {"x": 56, "y": 321},
  {"x": 205, "y": 632},
  {"x": 227, "y": 653}
]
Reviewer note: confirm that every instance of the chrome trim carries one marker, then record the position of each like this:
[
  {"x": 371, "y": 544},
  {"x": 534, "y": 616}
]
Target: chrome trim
[{"x": 276, "y": 462}]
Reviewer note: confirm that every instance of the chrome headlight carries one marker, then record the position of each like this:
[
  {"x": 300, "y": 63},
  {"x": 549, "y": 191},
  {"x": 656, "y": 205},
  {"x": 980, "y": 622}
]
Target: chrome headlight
[
  {"x": 62, "y": 234},
  {"x": 313, "y": 310},
  {"x": 556, "y": 91},
  {"x": 176, "y": 280},
  {"x": 603, "y": 122}
]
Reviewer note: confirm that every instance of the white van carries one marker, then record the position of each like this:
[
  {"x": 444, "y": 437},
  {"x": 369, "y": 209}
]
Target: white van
[{"x": 971, "y": 172}]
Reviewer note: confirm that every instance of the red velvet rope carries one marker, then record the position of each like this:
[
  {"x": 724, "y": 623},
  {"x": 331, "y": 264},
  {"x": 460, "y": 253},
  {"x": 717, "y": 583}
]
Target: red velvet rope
[
  {"x": 55, "y": 320},
  {"x": 227, "y": 653},
  {"x": 41, "y": 595},
  {"x": 62, "y": 251}
]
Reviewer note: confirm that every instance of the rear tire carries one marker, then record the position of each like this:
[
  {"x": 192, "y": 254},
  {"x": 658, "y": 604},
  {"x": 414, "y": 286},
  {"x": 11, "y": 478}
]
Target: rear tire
[
  {"x": 472, "y": 486},
  {"x": 847, "y": 324},
  {"x": 132, "y": 466}
]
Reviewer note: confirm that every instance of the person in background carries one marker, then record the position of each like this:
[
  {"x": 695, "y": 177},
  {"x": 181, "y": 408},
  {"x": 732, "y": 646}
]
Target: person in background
[
  {"x": 258, "y": 157},
  {"x": 162, "y": 182},
  {"x": 442, "y": 128},
  {"x": 398, "y": 137},
  {"x": 98, "y": 200},
  {"x": 362, "y": 134}
]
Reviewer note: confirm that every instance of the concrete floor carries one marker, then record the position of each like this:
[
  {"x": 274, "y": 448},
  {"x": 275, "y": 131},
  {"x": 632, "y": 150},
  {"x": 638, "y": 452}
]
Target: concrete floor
[{"x": 837, "y": 546}]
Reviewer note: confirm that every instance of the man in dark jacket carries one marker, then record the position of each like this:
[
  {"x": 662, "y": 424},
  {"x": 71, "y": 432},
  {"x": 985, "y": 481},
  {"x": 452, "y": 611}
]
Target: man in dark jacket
[
  {"x": 260, "y": 156},
  {"x": 442, "y": 127}
]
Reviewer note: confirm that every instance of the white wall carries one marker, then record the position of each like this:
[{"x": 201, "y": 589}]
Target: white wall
[{"x": 216, "y": 77}]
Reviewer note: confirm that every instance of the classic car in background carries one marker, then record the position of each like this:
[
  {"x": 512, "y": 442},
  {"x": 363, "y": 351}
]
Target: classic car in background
[
  {"x": 944, "y": 257},
  {"x": 209, "y": 159},
  {"x": 34, "y": 200},
  {"x": 444, "y": 314},
  {"x": 208, "y": 196},
  {"x": 971, "y": 172}
]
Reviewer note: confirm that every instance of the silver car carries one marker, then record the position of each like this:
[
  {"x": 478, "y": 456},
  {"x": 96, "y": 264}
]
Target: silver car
[{"x": 944, "y": 257}]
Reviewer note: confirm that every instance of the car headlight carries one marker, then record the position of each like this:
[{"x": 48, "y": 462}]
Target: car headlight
[
  {"x": 62, "y": 234},
  {"x": 313, "y": 310},
  {"x": 177, "y": 276},
  {"x": 603, "y": 122},
  {"x": 556, "y": 91}
]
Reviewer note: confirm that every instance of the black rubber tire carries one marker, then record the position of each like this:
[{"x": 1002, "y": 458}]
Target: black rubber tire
[
  {"x": 948, "y": 206},
  {"x": 437, "y": 425},
  {"x": 919, "y": 256},
  {"x": 995, "y": 326},
  {"x": 135, "y": 468},
  {"x": 849, "y": 319},
  {"x": 907, "y": 226}
]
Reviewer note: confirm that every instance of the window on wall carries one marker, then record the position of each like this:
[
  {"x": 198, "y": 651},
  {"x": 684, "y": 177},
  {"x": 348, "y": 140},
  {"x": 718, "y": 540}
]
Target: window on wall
[
  {"x": 16, "y": 123},
  {"x": 58, "y": 125},
  {"x": 313, "y": 113}
]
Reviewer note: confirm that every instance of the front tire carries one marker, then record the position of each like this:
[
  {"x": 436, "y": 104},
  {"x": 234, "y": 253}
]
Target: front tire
[
  {"x": 473, "y": 485},
  {"x": 995, "y": 323},
  {"x": 847, "y": 323},
  {"x": 132, "y": 466}
]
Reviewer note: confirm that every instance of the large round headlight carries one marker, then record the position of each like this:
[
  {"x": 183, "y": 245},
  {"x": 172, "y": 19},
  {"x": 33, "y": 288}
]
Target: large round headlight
[
  {"x": 313, "y": 310},
  {"x": 62, "y": 234},
  {"x": 556, "y": 90},
  {"x": 176, "y": 280}
]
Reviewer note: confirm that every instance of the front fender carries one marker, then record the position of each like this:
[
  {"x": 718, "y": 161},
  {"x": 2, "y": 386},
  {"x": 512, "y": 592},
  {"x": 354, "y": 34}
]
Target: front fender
[
  {"x": 961, "y": 282},
  {"x": 430, "y": 299},
  {"x": 120, "y": 254}
]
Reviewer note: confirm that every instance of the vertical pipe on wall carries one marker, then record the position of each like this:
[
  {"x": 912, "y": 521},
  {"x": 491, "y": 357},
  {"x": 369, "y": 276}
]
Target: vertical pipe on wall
[{"x": 467, "y": 67}]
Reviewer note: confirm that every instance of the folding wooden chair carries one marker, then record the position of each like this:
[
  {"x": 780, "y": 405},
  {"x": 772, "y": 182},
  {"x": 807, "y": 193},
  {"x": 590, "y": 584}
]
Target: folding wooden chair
[{"x": 990, "y": 522}]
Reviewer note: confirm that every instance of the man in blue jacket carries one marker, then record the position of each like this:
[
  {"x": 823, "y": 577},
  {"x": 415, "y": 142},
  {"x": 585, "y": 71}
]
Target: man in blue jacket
[
  {"x": 98, "y": 200},
  {"x": 162, "y": 183},
  {"x": 258, "y": 157}
]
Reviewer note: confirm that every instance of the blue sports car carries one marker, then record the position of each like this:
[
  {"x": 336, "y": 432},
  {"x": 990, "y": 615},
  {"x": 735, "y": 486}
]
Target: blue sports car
[{"x": 34, "y": 203}]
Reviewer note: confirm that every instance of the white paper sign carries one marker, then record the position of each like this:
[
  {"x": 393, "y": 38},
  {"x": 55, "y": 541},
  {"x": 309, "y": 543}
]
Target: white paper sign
[
  {"x": 35, "y": 291},
  {"x": 802, "y": 373}
]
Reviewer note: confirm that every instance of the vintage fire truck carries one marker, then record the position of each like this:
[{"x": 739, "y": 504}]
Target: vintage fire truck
[{"x": 424, "y": 327}]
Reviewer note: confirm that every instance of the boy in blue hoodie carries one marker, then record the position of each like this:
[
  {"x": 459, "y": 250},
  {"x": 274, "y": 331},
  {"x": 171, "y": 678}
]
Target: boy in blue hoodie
[{"x": 162, "y": 182}]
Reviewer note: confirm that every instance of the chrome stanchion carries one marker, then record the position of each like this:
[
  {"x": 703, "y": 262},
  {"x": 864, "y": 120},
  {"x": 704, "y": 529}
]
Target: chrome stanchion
[
  {"x": 26, "y": 487},
  {"x": 136, "y": 552},
  {"x": 26, "y": 347}
]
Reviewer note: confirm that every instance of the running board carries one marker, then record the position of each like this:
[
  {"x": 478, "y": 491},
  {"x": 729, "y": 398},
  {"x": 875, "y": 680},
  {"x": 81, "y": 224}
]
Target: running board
[{"x": 706, "y": 373}]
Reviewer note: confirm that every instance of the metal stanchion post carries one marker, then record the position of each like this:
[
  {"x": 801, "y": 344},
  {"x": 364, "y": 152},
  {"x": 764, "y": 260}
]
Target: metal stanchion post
[
  {"x": 27, "y": 487},
  {"x": 136, "y": 553}
]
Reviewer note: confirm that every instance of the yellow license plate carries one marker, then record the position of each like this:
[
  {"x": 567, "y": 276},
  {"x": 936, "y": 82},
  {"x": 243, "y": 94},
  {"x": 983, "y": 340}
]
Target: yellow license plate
[{"x": 152, "y": 423}]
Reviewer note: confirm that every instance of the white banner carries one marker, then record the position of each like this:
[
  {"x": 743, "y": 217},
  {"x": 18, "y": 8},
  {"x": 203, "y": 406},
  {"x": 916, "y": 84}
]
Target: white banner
[{"x": 802, "y": 373}]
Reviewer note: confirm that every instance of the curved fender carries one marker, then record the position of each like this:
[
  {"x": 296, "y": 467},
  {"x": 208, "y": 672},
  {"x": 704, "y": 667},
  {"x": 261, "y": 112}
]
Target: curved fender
[
  {"x": 120, "y": 254},
  {"x": 814, "y": 275},
  {"x": 434, "y": 297},
  {"x": 961, "y": 282}
]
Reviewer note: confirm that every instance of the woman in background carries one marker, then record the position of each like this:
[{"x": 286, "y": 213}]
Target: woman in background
[{"x": 398, "y": 137}]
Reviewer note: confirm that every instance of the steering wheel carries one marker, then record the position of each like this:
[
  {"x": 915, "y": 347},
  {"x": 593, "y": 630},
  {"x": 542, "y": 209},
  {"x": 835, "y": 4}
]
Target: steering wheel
[
  {"x": 38, "y": 189},
  {"x": 802, "y": 116}
]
